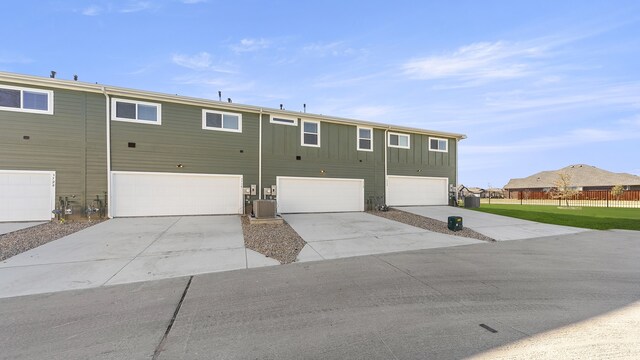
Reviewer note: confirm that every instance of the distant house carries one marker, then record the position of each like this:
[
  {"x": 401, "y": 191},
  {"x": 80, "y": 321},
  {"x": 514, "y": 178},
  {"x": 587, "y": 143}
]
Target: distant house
[
  {"x": 583, "y": 178},
  {"x": 494, "y": 193}
]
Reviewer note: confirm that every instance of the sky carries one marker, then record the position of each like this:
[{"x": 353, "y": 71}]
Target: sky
[{"x": 535, "y": 85}]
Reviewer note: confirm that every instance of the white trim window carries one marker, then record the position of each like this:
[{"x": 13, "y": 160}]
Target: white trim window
[
  {"x": 23, "y": 99},
  {"x": 365, "y": 139},
  {"x": 136, "y": 111},
  {"x": 401, "y": 141},
  {"x": 283, "y": 120},
  {"x": 221, "y": 121},
  {"x": 438, "y": 144},
  {"x": 310, "y": 133}
]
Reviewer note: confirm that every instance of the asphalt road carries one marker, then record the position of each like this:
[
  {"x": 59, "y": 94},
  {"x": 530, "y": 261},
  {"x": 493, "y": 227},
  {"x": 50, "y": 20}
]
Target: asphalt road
[{"x": 575, "y": 296}]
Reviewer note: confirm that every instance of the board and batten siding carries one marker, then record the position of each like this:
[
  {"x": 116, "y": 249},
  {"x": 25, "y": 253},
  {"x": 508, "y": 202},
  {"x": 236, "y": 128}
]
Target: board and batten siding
[
  {"x": 70, "y": 142},
  {"x": 419, "y": 161},
  {"x": 337, "y": 155},
  {"x": 180, "y": 139}
]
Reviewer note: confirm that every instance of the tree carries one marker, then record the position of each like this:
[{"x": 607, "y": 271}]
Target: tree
[
  {"x": 563, "y": 187},
  {"x": 617, "y": 191}
]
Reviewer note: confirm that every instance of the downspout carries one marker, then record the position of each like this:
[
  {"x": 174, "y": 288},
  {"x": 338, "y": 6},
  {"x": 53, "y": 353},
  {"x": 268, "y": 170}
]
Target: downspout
[
  {"x": 108, "y": 199},
  {"x": 386, "y": 150},
  {"x": 260, "y": 159},
  {"x": 457, "y": 180}
]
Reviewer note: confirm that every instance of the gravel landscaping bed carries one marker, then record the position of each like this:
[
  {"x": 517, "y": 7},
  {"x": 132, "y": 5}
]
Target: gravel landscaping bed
[
  {"x": 428, "y": 224},
  {"x": 277, "y": 241},
  {"x": 19, "y": 241}
]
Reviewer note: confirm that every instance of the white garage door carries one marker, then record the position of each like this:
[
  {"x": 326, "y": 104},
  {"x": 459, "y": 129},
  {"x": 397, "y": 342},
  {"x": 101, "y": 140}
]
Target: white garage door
[
  {"x": 416, "y": 190},
  {"x": 27, "y": 195},
  {"x": 158, "y": 194},
  {"x": 307, "y": 194}
]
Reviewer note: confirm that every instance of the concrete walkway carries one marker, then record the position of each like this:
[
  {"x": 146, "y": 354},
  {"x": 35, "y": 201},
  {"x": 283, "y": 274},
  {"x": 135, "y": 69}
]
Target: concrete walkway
[
  {"x": 7, "y": 227},
  {"x": 129, "y": 250},
  {"x": 500, "y": 228},
  {"x": 340, "y": 235}
]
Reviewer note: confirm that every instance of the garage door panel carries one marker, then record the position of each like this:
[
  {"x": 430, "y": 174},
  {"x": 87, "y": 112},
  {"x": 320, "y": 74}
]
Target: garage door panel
[
  {"x": 308, "y": 195},
  {"x": 163, "y": 194},
  {"x": 416, "y": 190},
  {"x": 26, "y": 195}
]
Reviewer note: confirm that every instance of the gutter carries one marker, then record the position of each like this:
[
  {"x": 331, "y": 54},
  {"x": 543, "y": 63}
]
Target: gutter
[
  {"x": 108, "y": 122},
  {"x": 156, "y": 96}
]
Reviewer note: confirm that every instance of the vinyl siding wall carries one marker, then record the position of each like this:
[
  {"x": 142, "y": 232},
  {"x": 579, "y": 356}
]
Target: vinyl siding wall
[
  {"x": 337, "y": 155},
  {"x": 70, "y": 142},
  {"x": 419, "y": 161},
  {"x": 180, "y": 139}
]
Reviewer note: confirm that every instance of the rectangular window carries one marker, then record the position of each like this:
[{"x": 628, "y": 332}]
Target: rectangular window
[
  {"x": 26, "y": 100},
  {"x": 438, "y": 144},
  {"x": 310, "y": 133},
  {"x": 136, "y": 111},
  {"x": 399, "y": 140},
  {"x": 221, "y": 121},
  {"x": 284, "y": 120},
  {"x": 365, "y": 139}
]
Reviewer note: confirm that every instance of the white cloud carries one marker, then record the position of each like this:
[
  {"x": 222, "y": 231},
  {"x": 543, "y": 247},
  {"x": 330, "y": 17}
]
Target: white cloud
[
  {"x": 484, "y": 60},
  {"x": 136, "y": 6},
  {"x": 10, "y": 58},
  {"x": 201, "y": 62},
  {"x": 336, "y": 48},
  {"x": 196, "y": 62},
  {"x": 568, "y": 139},
  {"x": 92, "y": 10},
  {"x": 246, "y": 45},
  {"x": 370, "y": 112}
]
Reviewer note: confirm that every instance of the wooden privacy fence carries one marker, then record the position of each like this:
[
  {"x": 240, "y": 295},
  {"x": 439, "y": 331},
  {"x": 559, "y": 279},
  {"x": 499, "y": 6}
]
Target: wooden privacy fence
[{"x": 596, "y": 198}]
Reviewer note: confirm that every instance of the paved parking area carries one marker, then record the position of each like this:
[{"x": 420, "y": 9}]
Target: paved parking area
[
  {"x": 566, "y": 297},
  {"x": 127, "y": 250},
  {"x": 339, "y": 235},
  {"x": 7, "y": 227},
  {"x": 500, "y": 228}
]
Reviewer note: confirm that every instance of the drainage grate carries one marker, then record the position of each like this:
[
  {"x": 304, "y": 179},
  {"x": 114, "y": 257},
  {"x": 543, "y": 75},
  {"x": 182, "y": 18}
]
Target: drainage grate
[{"x": 488, "y": 328}]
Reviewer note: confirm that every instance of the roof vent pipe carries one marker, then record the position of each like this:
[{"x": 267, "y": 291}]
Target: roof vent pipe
[
  {"x": 53, "y": 74},
  {"x": 305, "y": 107},
  {"x": 219, "y": 95},
  {"x": 280, "y": 106},
  {"x": 229, "y": 100},
  {"x": 75, "y": 77}
]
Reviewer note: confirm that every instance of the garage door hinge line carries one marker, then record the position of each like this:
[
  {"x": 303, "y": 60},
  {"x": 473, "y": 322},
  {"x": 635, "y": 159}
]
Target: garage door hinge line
[{"x": 160, "y": 346}]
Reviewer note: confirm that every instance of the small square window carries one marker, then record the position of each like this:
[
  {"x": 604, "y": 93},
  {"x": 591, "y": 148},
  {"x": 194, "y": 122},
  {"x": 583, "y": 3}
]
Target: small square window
[
  {"x": 35, "y": 100},
  {"x": 399, "y": 140},
  {"x": 10, "y": 98},
  {"x": 365, "y": 139},
  {"x": 438, "y": 144},
  {"x": 221, "y": 121},
  {"x": 310, "y": 133},
  {"x": 136, "y": 111},
  {"x": 26, "y": 100}
]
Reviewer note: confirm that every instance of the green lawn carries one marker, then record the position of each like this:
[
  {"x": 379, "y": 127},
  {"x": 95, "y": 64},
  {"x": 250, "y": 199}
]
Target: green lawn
[{"x": 584, "y": 217}]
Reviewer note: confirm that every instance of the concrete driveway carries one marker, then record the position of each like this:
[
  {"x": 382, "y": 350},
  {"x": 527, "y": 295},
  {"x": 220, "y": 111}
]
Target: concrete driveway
[
  {"x": 129, "y": 250},
  {"x": 7, "y": 227},
  {"x": 339, "y": 235},
  {"x": 498, "y": 227}
]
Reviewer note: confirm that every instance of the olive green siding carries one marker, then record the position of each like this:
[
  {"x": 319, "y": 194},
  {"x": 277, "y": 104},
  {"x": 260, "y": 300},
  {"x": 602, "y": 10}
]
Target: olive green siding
[
  {"x": 72, "y": 142},
  {"x": 180, "y": 139},
  {"x": 418, "y": 160},
  {"x": 337, "y": 156},
  {"x": 69, "y": 142}
]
